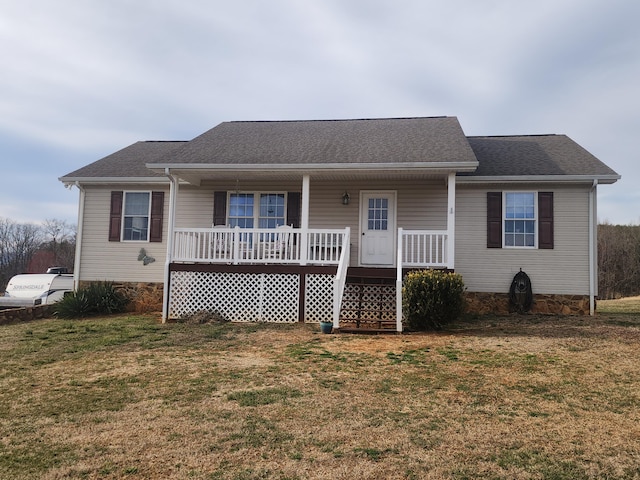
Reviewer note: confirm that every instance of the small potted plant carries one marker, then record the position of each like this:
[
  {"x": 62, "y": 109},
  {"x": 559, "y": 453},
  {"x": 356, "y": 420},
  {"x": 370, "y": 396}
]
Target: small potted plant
[{"x": 326, "y": 327}]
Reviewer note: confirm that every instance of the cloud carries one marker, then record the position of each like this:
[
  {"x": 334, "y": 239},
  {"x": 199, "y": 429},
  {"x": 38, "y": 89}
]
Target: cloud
[{"x": 83, "y": 79}]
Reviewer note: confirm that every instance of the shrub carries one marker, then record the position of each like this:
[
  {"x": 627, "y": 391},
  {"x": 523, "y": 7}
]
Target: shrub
[
  {"x": 432, "y": 298},
  {"x": 98, "y": 298}
]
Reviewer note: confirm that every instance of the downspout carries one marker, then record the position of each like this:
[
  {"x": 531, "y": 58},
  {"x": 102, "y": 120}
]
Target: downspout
[
  {"x": 78, "y": 255},
  {"x": 173, "y": 187},
  {"x": 593, "y": 254}
]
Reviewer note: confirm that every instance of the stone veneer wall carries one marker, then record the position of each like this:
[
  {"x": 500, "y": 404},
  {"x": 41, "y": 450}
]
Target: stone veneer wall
[
  {"x": 144, "y": 297},
  {"x": 498, "y": 303}
]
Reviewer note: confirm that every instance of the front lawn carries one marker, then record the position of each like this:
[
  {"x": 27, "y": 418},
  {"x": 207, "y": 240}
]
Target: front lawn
[{"x": 522, "y": 397}]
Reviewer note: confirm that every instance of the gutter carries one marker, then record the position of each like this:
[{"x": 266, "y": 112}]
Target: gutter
[
  {"x": 460, "y": 166},
  {"x": 70, "y": 181},
  {"x": 538, "y": 179}
]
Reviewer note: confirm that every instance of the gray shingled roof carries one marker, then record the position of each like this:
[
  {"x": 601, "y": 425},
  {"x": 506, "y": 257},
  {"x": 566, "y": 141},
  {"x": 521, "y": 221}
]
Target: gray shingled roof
[
  {"x": 398, "y": 140},
  {"x": 401, "y": 140},
  {"x": 128, "y": 162},
  {"x": 534, "y": 155}
]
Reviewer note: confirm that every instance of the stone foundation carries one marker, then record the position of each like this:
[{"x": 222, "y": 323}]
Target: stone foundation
[
  {"x": 144, "y": 297},
  {"x": 498, "y": 303}
]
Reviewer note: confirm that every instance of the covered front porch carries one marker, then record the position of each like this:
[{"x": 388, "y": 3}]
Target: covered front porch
[{"x": 297, "y": 272}]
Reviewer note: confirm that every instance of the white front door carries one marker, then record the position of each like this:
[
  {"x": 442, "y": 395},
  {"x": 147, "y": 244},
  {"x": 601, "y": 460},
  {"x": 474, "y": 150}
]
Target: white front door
[{"x": 377, "y": 227}]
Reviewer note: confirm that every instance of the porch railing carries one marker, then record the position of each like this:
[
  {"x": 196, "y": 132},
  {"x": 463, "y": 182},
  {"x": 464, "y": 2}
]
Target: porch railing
[
  {"x": 418, "y": 248},
  {"x": 259, "y": 245},
  {"x": 423, "y": 248}
]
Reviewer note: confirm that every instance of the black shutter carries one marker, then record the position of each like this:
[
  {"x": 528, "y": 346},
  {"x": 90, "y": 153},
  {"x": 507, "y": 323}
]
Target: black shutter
[
  {"x": 494, "y": 219},
  {"x": 219, "y": 208},
  {"x": 545, "y": 219},
  {"x": 157, "y": 210},
  {"x": 294, "y": 209},
  {"x": 115, "y": 216}
]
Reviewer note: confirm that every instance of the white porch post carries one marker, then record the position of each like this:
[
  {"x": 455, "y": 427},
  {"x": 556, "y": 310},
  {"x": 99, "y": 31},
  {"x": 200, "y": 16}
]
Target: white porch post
[
  {"x": 451, "y": 221},
  {"x": 173, "y": 195},
  {"x": 304, "y": 221}
]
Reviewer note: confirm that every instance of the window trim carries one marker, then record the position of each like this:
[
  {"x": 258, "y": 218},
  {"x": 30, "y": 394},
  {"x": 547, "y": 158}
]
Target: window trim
[
  {"x": 535, "y": 219},
  {"x": 124, "y": 216}
]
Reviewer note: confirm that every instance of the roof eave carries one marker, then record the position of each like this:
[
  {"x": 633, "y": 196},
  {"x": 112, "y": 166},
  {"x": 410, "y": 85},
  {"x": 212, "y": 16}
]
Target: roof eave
[
  {"x": 602, "y": 179},
  {"x": 460, "y": 166},
  {"x": 100, "y": 180}
]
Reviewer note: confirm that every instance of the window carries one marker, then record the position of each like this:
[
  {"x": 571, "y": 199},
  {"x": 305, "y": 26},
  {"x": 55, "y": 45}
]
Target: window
[
  {"x": 141, "y": 221},
  {"x": 271, "y": 210},
  {"x": 377, "y": 217},
  {"x": 519, "y": 219},
  {"x": 136, "y": 216},
  {"x": 268, "y": 213},
  {"x": 241, "y": 210}
]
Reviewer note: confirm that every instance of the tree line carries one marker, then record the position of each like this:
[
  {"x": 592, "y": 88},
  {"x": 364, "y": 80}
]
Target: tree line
[
  {"x": 618, "y": 261},
  {"x": 31, "y": 248}
]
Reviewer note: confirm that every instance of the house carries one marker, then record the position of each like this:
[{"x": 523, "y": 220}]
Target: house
[{"x": 318, "y": 220}]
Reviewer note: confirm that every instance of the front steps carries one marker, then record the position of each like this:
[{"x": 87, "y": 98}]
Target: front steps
[{"x": 369, "y": 301}]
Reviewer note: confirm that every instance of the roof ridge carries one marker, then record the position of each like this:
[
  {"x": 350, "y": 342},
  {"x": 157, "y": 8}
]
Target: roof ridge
[{"x": 339, "y": 119}]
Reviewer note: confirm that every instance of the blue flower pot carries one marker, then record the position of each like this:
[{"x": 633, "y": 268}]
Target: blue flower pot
[{"x": 326, "y": 327}]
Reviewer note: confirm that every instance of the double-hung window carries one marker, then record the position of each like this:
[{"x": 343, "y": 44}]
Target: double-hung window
[
  {"x": 137, "y": 210},
  {"x": 520, "y": 219},
  {"x": 266, "y": 210}
]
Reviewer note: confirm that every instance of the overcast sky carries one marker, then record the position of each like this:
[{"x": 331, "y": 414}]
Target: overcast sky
[{"x": 81, "y": 79}]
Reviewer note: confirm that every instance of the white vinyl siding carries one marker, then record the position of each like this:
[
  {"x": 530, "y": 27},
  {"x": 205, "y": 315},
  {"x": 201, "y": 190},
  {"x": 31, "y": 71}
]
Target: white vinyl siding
[
  {"x": 561, "y": 270},
  {"x": 420, "y": 205},
  {"x": 117, "y": 261}
]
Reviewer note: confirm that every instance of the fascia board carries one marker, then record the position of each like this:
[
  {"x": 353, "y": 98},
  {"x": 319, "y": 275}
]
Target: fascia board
[
  {"x": 457, "y": 166},
  {"x": 102, "y": 180},
  {"x": 602, "y": 179}
]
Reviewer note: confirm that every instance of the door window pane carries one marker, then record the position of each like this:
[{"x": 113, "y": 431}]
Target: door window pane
[{"x": 378, "y": 215}]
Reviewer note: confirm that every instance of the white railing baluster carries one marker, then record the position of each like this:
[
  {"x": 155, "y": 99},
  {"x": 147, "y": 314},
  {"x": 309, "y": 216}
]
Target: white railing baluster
[{"x": 423, "y": 248}]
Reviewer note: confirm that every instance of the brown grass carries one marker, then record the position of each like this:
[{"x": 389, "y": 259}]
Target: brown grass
[{"x": 521, "y": 397}]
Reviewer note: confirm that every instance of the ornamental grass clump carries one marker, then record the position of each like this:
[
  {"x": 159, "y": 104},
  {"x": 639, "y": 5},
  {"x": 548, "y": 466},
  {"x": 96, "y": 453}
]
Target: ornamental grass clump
[
  {"x": 432, "y": 299},
  {"x": 97, "y": 298}
]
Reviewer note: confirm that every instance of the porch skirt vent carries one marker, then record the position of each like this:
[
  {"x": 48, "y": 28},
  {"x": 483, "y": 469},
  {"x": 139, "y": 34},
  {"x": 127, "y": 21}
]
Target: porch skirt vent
[{"x": 251, "y": 297}]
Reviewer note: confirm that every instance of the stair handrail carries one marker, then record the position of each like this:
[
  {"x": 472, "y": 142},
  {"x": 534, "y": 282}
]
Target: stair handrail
[{"x": 341, "y": 276}]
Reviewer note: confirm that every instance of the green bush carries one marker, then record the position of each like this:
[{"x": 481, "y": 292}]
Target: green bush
[
  {"x": 432, "y": 298},
  {"x": 98, "y": 298}
]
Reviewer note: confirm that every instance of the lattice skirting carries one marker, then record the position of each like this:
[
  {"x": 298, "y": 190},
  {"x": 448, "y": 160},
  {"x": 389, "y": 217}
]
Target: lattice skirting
[{"x": 251, "y": 297}]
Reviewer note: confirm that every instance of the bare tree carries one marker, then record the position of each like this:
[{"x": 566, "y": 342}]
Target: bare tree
[
  {"x": 618, "y": 260},
  {"x": 61, "y": 241},
  {"x": 18, "y": 243}
]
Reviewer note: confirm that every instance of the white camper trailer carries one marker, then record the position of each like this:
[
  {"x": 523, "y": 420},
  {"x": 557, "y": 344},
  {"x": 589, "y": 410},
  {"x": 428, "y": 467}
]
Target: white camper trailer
[{"x": 36, "y": 289}]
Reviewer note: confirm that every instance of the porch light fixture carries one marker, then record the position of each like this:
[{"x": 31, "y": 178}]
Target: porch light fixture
[{"x": 345, "y": 198}]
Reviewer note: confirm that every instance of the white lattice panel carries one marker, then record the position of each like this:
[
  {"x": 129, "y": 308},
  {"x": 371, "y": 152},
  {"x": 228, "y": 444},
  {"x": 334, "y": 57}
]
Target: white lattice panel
[
  {"x": 239, "y": 297},
  {"x": 279, "y": 294},
  {"x": 318, "y": 299}
]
